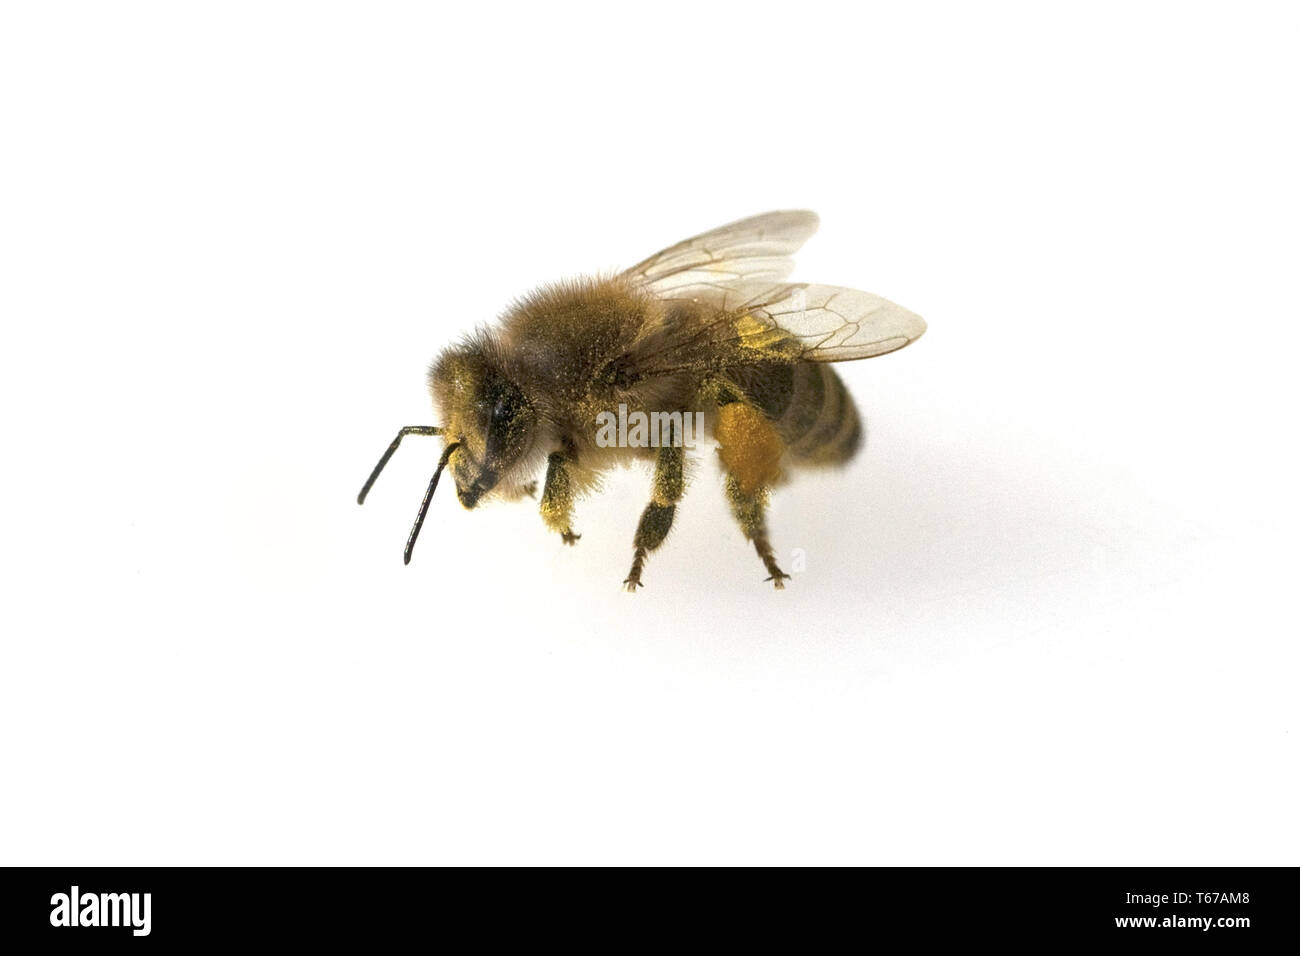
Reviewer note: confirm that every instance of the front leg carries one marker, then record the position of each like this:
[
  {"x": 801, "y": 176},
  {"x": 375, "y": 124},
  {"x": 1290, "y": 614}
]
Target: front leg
[{"x": 557, "y": 496}]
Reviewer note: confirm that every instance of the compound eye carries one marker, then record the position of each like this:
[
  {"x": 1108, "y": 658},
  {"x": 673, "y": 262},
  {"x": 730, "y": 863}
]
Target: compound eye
[{"x": 502, "y": 412}]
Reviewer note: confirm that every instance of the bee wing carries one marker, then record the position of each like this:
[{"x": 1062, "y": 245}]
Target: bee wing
[
  {"x": 754, "y": 322},
  {"x": 826, "y": 323},
  {"x": 750, "y": 249}
]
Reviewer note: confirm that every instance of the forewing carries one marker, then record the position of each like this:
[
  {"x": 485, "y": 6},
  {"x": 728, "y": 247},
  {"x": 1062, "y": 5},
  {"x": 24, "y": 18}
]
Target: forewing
[
  {"x": 756, "y": 322},
  {"x": 705, "y": 266},
  {"x": 820, "y": 323}
]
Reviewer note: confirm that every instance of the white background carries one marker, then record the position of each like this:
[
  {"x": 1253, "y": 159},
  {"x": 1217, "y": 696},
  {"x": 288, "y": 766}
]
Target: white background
[{"x": 1047, "y": 617}]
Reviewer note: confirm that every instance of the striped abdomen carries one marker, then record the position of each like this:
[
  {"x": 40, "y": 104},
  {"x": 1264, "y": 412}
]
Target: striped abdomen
[{"x": 810, "y": 407}]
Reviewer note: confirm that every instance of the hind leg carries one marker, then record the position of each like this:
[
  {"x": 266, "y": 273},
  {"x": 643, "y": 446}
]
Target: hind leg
[
  {"x": 750, "y": 511},
  {"x": 751, "y": 452}
]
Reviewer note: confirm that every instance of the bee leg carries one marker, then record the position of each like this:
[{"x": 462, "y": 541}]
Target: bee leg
[
  {"x": 557, "y": 497},
  {"x": 749, "y": 510},
  {"x": 657, "y": 519},
  {"x": 751, "y": 451}
]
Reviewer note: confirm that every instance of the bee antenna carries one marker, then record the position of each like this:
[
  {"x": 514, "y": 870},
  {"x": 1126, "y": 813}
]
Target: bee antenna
[
  {"x": 408, "y": 430},
  {"x": 424, "y": 505}
]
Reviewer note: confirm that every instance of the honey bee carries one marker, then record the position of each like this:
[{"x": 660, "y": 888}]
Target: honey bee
[{"x": 706, "y": 327}]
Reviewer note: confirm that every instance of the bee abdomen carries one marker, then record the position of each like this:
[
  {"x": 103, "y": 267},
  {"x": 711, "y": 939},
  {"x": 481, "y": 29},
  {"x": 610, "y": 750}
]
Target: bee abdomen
[{"x": 820, "y": 425}]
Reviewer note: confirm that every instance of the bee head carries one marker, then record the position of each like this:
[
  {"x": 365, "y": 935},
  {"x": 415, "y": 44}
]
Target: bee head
[{"x": 486, "y": 413}]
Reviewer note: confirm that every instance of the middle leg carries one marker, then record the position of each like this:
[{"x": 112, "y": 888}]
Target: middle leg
[{"x": 657, "y": 519}]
